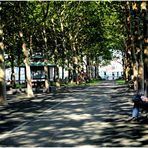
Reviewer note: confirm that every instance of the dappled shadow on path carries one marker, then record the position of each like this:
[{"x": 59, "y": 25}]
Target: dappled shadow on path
[
  {"x": 89, "y": 117},
  {"x": 20, "y": 111}
]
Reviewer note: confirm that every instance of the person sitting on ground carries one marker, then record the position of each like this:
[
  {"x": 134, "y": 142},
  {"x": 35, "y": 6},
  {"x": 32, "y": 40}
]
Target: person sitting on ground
[{"x": 140, "y": 102}]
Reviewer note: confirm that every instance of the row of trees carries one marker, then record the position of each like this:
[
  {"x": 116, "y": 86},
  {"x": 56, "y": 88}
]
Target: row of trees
[
  {"x": 66, "y": 32},
  {"x": 136, "y": 51}
]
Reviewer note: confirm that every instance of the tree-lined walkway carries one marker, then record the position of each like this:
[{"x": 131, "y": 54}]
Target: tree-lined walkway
[{"x": 84, "y": 116}]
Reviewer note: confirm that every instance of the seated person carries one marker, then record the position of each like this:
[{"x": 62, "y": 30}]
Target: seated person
[{"x": 140, "y": 102}]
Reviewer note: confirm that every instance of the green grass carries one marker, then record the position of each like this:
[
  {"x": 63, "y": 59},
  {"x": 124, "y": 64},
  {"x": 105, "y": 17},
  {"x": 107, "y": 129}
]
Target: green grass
[
  {"x": 20, "y": 85},
  {"x": 91, "y": 82},
  {"x": 94, "y": 82},
  {"x": 120, "y": 82}
]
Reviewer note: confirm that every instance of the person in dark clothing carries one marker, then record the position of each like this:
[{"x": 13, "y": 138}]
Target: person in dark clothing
[{"x": 140, "y": 102}]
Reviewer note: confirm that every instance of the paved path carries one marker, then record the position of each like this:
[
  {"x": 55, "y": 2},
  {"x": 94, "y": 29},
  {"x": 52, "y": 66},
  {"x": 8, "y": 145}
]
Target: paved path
[{"x": 88, "y": 116}]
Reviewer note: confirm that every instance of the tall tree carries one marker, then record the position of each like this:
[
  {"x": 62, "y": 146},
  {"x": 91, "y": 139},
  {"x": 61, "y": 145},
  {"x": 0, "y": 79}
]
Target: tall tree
[
  {"x": 2, "y": 70},
  {"x": 144, "y": 9},
  {"x": 25, "y": 49}
]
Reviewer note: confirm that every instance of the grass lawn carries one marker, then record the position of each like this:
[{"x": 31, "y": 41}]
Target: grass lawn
[
  {"x": 120, "y": 82},
  {"x": 94, "y": 82}
]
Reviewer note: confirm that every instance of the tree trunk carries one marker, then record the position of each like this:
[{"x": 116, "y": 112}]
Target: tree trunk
[
  {"x": 25, "y": 53},
  {"x": 46, "y": 60},
  {"x": 2, "y": 73},
  {"x": 145, "y": 47},
  {"x": 19, "y": 75},
  {"x": 134, "y": 67},
  {"x": 28, "y": 71},
  {"x": 128, "y": 70},
  {"x": 96, "y": 68},
  {"x": 88, "y": 67},
  {"x": 146, "y": 66},
  {"x": 46, "y": 76},
  {"x": 141, "y": 79},
  {"x": 13, "y": 82},
  {"x": 127, "y": 66},
  {"x": 141, "y": 72}
]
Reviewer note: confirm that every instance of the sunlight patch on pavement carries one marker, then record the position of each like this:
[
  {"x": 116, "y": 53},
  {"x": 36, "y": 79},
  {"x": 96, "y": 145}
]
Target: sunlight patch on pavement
[
  {"x": 27, "y": 143},
  {"x": 19, "y": 133},
  {"x": 100, "y": 124},
  {"x": 78, "y": 117},
  {"x": 67, "y": 141},
  {"x": 87, "y": 146},
  {"x": 144, "y": 138},
  {"x": 74, "y": 141},
  {"x": 127, "y": 141},
  {"x": 146, "y": 131},
  {"x": 47, "y": 128},
  {"x": 37, "y": 100},
  {"x": 78, "y": 110},
  {"x": 68, "y": 128}
]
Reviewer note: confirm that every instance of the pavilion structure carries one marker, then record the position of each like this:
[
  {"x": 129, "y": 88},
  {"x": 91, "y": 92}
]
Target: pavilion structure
[{"x": 37, "y": 70}]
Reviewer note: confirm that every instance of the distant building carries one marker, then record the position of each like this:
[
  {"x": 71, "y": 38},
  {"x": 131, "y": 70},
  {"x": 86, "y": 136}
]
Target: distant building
[{"x": 112, "y": 71}]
